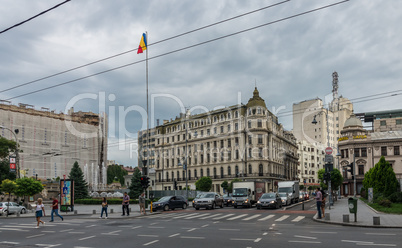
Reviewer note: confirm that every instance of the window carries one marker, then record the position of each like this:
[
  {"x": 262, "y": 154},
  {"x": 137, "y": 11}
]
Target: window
[
  {"x": 214, "y": 172},
  {"x": 208, "y": 132},
  {"x": 189, "y": 174},
  {"x": 167, "y": 176},
  {"x": 228, "y": 127},
  {"x": 208, "y": 158},
  {"x": 236, "y": 126},
  {"x": 195, "y": 173},
  {"x": 221, "y": 172},
  {"x": 215, "y": 157},
  {"x": 250, "y": 169},
  {"x": 167, "y": 163},
  {"x": 259, "y": 123},
  {"x": 236, "y": 171},
  {"x": 236, "y": 141},
  {"x": 167, "y": 140},
  {"x": 259, "y": 111},
  {"x": 221, "y": 143},
  {"x": 396, "y": 150},
  {"x": 383, "y": 123},
  {"x": 260, "y": 152},
  {"x": 215, "y": 118},
  {"x": 229, "y": 142},
  {"x": 383, "y": 151},
  {"x": 357, "y": 152},
  {"x": 249, "y": 124},
  {"x": 249, "y": 152},
  {"x": 178, "y": 175},
  {"x": 208, "y": 145},
  {"x": 236, "y": 114},
  {"x": 207, "y": 172},
  {"x": 229, "y": 116},
  {"x": 221, "y": 129},
  {"x": 364, "y": 152},
  {"x": 260, "y": 139},
  {"x": 229, "y": 171},
  {"x": 172, "y": 138},
  {"x": 215, "y": 130},
  {"x": 201, "y": 172},
  {"x": 215, "y": 144},
  {"x": 237, "y": 154},
  {"x": 249, "y": 140},
  {"x": 399, "y": 122},
  {"x": 229, "y": 155},
  {"x": 202, "y": 133},
  {"x": 202, "y": 158},
  {"x": 260, "y": 170},
  {"x": 361, "y": 169}
]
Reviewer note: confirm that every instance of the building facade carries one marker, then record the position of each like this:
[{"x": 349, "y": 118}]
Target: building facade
[
  {"x": 311, "y": 160},
  {"x": 50, "y": 143},
  {"x": 241, "y": 141},
  {"x": 365, "y": 148}
]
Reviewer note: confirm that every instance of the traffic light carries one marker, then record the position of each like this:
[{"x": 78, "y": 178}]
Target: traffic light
[
  {"x": 352, "y": 169},
  {"x": 142, "y": 180},
  {"x": 147, "y": 182}
]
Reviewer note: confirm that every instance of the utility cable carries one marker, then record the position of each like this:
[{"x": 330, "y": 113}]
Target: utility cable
[{"x": 181, "y": 49}]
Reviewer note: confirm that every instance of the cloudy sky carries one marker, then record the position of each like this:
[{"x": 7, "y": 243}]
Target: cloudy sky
[{"x": 289, "y": 61}]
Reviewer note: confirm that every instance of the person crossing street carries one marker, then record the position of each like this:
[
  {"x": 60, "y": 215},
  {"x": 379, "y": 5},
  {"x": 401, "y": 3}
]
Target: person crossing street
[
  {"x": 125, "y": 204},
  {"x": 55, "y": 209}
]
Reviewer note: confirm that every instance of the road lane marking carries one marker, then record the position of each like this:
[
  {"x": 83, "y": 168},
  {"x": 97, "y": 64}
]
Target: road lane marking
[
  {"x": 153, "y": 223},
  {"x": 47, "y": 245},
  {"x": 8, "y": 242},
  {"x": 76, "y": 232},
  {"x": 385, "y": 234},
  {"x": 325, "y": 232},
  {"x": 211, "y": 216},
  {"x": 147, "y": 235},
  {"x": 196, "y": 216},
  {"x": 304, "y": 237},
  {"x": 266, "y": 218},
  {"x": 221, "y": 217},
  {"x": 236, "y": 239},
  {"x": 155, "y": 227},
  {"x": 185, "y": 215},
  {"x": 174, "y": 235},
  {"x": 192, "y": 229},
  {"x": 357, "y": 241},
  {"x": 151, "y": 242},
  {"x": 282, "y": 218},
  {"x": 67, "y": 230},
  {"x": 90, "y": 226},
  {"x": 48, "y": 231},
  {"x": 136, "y": 227},
  {"x": 188, "y": 237},
  {"x": 264, "y": 234},
  {"x": 33, "y": 236},
  {"x": 299, "y": 218},
  {"x": 257, "y": 240},
  {"x": 13, "y": 229},
  {"x": 305, "y": 242},
  {"x": 205, "y": 225},
  {"x": 237, "y": 217},
  {"x": 252, "y": 217},
  {"x": 90, "y": 237}
]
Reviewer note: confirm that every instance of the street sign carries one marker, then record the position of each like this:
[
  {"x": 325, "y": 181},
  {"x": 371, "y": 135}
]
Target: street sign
[
  {"x": 328, "y": 150},
  {"x": 13, "y": 167},
  {"x": 329, "y": 159}
]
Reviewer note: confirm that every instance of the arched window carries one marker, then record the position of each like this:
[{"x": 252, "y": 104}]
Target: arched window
[
  {"x": 207, "y": 172},
  {"x": 178, "y": 175},
  {"x": 229, "y": 171},
  {"x": 189, "y": 174},
  {"x": 236, "y": 114},
  {"x": 172, "y": 176},
  {"x": 214, "y": 172},
  {"x": 249, "y": 111},
  {"x": 222, "y": 175},
  {"x": 202, "y": 172},
  {"x": 195, "y": 173},
  {"x": 236, "y": 171},
  {"x": 260, "y": 170},
  {"x": 160, "y": 176},
  {"x": 229, "y": 115},
  {"x": 167, "y": 176},
  {"x": 222, "y": 117},
  {"x": 215, "y": 118},
  {"x": 250, "y": 169}
]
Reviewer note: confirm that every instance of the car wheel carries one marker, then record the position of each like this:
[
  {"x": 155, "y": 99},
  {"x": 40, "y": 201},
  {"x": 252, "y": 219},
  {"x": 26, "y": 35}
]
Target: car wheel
[
  {"x": 23, "y": 211},
  {"x": 213, "y": 206},
  {"x": 166, "y": 207},
  {"x": 197, "y": 208},
  {"x": 184, "y": 206},
  {"x": 258, "y": 207},
  {"x": 235, "y": 206}
]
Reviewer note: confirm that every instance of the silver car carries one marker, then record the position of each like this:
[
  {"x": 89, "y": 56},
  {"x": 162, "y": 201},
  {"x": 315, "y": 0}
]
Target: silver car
[
  {"x": 11, "y": 208},
  {"x": 208, "y": 201},
  {"x": 285, "y": 198}
]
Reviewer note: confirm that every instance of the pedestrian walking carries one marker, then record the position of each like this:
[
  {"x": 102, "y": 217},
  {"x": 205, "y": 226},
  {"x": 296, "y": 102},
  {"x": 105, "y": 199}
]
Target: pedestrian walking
[
  {"x": 324, "y": 197},
  {"x": 141, "y": 201},
  {"x": 55, "y": 209},
  {"x": 104, "y": 207},
  {"x": 318, "y": 198},
  {"x": 40, "y": 211},
  {"x": 125, "y": 204}
]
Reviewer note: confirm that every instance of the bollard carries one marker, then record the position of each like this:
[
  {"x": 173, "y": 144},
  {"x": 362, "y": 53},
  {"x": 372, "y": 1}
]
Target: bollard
[
  {"x": 111, "y": 211},
  {"x": 94, "y": 211},
  {"x": 75, "y": 212},
  {"x": 327, "y": 216},
  {"x": 345, "y": 218},
  {"x": 376, "y": 220}
]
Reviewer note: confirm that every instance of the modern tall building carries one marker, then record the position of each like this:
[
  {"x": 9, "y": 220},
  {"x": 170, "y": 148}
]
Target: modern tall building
[
  {"x": 52, "y": 142},
  {"x": 241, "y": 141},
  {"x": 319, "y": 126},
  {"x": 311, "y": 160},
  {"x": 365, "y": 147}
]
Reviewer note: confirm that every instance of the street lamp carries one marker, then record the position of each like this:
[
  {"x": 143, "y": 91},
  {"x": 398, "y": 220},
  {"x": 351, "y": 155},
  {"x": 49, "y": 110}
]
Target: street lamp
[
  {"x": 315, "y": 122},
  {"x": 15, "y": 132}
]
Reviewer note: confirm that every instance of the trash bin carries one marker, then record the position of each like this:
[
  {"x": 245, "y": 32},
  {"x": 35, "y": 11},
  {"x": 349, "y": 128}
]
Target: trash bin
[{"x": 352, "y": 204}]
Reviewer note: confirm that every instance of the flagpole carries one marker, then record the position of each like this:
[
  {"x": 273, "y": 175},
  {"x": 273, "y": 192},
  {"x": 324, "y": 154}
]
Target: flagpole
[{"x": 148, "y": 150}]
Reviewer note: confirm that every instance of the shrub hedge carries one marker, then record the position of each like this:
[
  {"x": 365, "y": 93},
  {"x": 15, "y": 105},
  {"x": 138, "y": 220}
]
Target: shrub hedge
[{"x": 98, "y": 201}]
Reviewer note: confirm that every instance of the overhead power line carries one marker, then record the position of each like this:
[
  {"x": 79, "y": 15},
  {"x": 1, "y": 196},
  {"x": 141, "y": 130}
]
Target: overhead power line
[
  {"x": 133, "y": 50},
  {"x": 181, "y": 49},
  {"x": 33, "y": 17}
]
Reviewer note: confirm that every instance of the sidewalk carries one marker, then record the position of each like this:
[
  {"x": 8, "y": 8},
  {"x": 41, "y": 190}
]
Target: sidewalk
[
  {"x": 365, "y": 215},
  {"x": 86, "y": 211}
]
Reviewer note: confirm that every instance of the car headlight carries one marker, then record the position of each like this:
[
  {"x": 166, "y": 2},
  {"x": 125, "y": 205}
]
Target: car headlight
[
  {"x": 246, "y": 201},
  {"x": 272, "y": 201},
  {"x": 283, "y": 200},
  {"x": 258, "y": 202}
]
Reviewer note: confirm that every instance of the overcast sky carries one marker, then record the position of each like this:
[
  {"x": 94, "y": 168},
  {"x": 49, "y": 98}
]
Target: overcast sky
[{"x": 289, "y": 61}]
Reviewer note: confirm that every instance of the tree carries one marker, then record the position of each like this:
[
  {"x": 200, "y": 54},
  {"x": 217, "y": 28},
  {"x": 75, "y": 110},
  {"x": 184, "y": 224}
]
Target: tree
[
  {"x": 5, "y": 172},
  {"x": 381, "y": 178},
  {"x": 135, "y": 185},
  {"x": 28, "y": 187},
  {"x": 230, "y": 188},
  {"x": 225, "y": 185},
  {"x": 116, "y": 171},
  {"x": 9, "y": 187},
  {"x": 336, "y": 179},
  {"x": 7, "y": 147},
  {"x": 80, "y": 185},
  {"x": 204, "y": 184}
]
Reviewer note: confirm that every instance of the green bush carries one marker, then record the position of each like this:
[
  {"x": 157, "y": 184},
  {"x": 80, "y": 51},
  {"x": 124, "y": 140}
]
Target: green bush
[
  {"x": 385, "y": 202},
  {"x": 98, "y": 201},
  {"x": 396, "y": 197}
]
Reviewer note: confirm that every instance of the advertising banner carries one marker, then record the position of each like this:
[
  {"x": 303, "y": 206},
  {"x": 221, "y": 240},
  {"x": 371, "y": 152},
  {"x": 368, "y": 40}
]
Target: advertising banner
[{"x": 66, "y": 195}]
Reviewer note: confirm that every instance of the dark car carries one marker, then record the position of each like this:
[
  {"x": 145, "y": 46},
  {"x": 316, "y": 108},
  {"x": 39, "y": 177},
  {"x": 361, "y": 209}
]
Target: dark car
[
  {"x": 170, "y": 202},
  {"x": 227, "y": 199},
  {"x": 269, "y": 200}
]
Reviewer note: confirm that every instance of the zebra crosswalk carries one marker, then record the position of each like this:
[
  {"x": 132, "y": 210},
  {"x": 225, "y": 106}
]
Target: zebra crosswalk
[{"x": 229, "y": 217}]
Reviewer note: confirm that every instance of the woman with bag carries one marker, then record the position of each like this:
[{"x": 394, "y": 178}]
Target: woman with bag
[
  {"x": 104, "y": 207},
  {"x": 39, "y": 209}
]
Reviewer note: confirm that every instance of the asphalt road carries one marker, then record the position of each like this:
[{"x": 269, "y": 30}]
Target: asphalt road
[{"x": 225, "y": 227}]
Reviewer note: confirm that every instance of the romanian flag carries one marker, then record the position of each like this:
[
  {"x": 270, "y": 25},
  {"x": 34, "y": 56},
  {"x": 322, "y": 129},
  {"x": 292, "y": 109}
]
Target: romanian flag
[{"x": 143, "y": 44}]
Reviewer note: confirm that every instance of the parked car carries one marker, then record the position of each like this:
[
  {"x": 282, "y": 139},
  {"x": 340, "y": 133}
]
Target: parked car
[
  {"x": 302, "y": 196},
  {"x": 197, "y": 197},
  {"x": 227, "y": 199},
  {"x": 286, "y": 200},
  {"x": 307, "y": 196},
  {"x": 12, "y": 208},
  {"x": 269, "y": 200},
  {"x": 169, "y": 202},
  {"x": 209, "y": 201}
]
